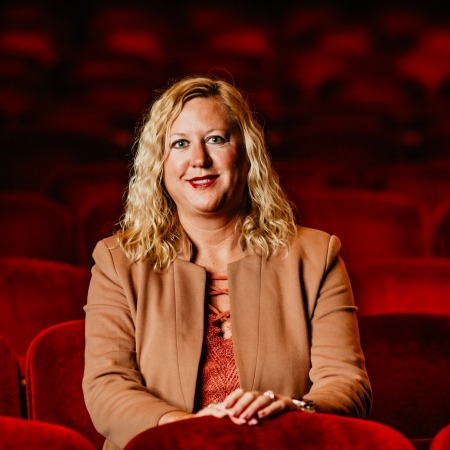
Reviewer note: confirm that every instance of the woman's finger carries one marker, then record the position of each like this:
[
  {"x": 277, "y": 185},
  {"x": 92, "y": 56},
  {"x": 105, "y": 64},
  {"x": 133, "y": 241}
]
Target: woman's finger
[
  {"x": 280, "y": 404},
  {"x": 212, "y": 410},
  {"x": 246, "y": 399},
  {"x": 260, "y": 402},
  {"x": 231, "y": 399}
]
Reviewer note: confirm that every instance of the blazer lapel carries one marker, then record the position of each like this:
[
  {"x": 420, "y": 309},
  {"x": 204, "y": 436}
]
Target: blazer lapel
[
  {"x": 190, "y": 282},
  {"x": 244, "y": 284}
]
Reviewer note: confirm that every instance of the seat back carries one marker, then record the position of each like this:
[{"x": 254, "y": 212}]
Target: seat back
[
  {"x": 94, "y": 193},
  {"x": 301, "y": 174},
  {"x": 10, "y": 404},
  {"x": 371, "y": 225},
  {"x": 407, "y": 359},
  {"x": 441, "y": 230},
  {"x": 284, "y": 432},
  {"x": 442, "y": 439},
  {"x": 35, "y": 227},
  {"x": 427, "y": 181},
  {"x": 97, "y": 218},
  {"x": 35, "y": 294},
  {"x": 55, "y": 366},
  {"x": 402, "y": 285},
  {"x": 19, "y": 434}
]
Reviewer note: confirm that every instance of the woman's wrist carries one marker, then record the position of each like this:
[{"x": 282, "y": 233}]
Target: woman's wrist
[
  {"x": 174, "y": 416},
  {"x": 304, "y": 405}
]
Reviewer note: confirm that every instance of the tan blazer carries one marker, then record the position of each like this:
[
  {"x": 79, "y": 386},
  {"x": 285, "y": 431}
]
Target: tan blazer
[{"x": 294, "y": 331}]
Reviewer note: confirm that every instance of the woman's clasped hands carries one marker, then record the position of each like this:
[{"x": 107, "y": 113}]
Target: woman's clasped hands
[{"x": 248, "y": 407}]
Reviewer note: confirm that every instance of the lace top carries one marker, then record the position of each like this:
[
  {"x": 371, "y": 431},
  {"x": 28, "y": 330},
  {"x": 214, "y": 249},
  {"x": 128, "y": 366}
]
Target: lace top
[{"x": 218, "y": 368}]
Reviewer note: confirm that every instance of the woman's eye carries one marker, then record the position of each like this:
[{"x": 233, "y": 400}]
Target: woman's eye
[
  {"x": 216, "y": 139},
  {"x": 181, "y": 143}
]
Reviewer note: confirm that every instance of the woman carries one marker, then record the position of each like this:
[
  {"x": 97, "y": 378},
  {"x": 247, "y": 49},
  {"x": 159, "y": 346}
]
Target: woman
[{"x": 209, "y": 300}]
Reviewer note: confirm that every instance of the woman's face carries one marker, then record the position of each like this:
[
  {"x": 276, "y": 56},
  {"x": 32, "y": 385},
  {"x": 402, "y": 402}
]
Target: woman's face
[{"x": 205, "y": 171}]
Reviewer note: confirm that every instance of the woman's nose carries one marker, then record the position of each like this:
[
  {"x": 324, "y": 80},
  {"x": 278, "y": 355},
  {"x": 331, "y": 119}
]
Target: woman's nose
[{"x": 200, "y": 156}]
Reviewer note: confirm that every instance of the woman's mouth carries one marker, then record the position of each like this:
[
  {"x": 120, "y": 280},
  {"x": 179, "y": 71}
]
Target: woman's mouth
[{"x": 203, "y": 182}]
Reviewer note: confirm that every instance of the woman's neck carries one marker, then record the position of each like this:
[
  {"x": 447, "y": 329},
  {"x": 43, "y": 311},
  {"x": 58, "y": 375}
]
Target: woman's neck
[{"x": 216, "y": 242}]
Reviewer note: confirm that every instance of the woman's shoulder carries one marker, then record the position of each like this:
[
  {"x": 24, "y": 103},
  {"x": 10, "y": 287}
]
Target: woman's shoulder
[
  {"x": 314, "y": 243},
  {"x": 109, "y": 252},
  {"x": 313, "y": 236},
  {"x": 108, "y": 245}
]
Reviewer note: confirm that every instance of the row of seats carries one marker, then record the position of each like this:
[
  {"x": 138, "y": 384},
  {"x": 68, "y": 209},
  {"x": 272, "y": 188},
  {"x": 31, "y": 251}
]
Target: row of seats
[
  {"x": 206, "y": 432},
  {"x": 36, "y": 293},
  {"x": 314, "y": 431},
  {"x": 18, "y": 434},
  {"x": 67, "y": 181},
  {"x": 427, "y": 182},
  {"x": 332, "y": 40},
  {"x": 398, "y": 350},
  {"x": 50, "y": 383},
  {"x": 371, "y": 224},
  {"x": 387, "y": 72},
  {"x": 282, "y": 432},
  {"x": 39, "y": 227}
]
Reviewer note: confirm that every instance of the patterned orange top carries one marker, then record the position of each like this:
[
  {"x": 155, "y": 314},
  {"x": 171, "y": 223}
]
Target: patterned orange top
[{"x": 218, "y": 370}]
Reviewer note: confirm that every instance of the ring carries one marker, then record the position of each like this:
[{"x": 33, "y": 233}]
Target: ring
[{"x": 270, "y": 394}]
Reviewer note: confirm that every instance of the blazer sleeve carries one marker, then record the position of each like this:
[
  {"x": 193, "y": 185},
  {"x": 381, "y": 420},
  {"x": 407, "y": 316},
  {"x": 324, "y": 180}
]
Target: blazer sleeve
[
  {"x": 117, "y": 400},
  {"x": 340, "y": 382}
]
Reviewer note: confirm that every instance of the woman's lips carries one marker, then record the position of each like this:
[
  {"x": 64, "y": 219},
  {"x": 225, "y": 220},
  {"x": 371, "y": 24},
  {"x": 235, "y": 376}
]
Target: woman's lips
[{"x": 203, "y": 182}]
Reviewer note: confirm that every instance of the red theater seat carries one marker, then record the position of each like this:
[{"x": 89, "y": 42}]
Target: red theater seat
[
  {"x": 9, "y": 380},
  {"x": 46, "y": 145},
  {"x": 94, "y": 193},
  {"x": 427, "y": 181},
  {"x": 371, "y": 225},
  {"x": 402, "y": 285},
  {"x": 442, "y": 439},
  {"x": 20, "y": 434},
  {"x": 358, "y": 149},
  {"x": 73, "y": 186},
  {"x": 35, "y": 227},
  {"x": 55, "y": 365},
  {"x": 408, "y": 365},
  {"x": 285, "y": 432},
  {"x": 97, "y": 218},
  {"x": 441, "y": 230},
  {"x": 34, "y": 44},
  {"x": 35, "y": 294},
  {"x": 297, "y": 174}
]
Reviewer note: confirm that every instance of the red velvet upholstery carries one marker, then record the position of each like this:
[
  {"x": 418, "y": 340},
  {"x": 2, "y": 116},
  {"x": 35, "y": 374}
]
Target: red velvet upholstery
[
  {"x": 402, "y": 285},
  {"x": 36, "y": 227},
  {"x": 442, "y": 439},
  {"x": 284, "y": 432},
  {"x": 427, "y": 181},
  {"x": 441, "y": 230},
  {"x": 96, "y": 219},
  {"x": 72, "y": 186},
  {"x": 55, "y": 364},
  {"x": 10, "y": 404},
  {"x": 37, "y": 293},
  {"x": 407, "y": 357},
  {"x": 297, "y": 174},
  {"x": 358, "y": 148},
  {"x": 21, "y": 434},
  {"x": 94, "y": 194},
  {"x": 371, "y": 225}
]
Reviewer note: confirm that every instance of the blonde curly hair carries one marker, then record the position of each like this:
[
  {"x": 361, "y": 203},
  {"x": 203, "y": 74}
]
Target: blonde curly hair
[{"x": 150, "y": 228}]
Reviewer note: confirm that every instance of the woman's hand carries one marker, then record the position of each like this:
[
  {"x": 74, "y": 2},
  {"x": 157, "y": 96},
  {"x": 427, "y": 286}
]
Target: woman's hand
[{"x": 248, "y": 407}]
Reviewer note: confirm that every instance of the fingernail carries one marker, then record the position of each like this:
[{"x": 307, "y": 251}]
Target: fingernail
[{"x": 253, "y": 421}]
